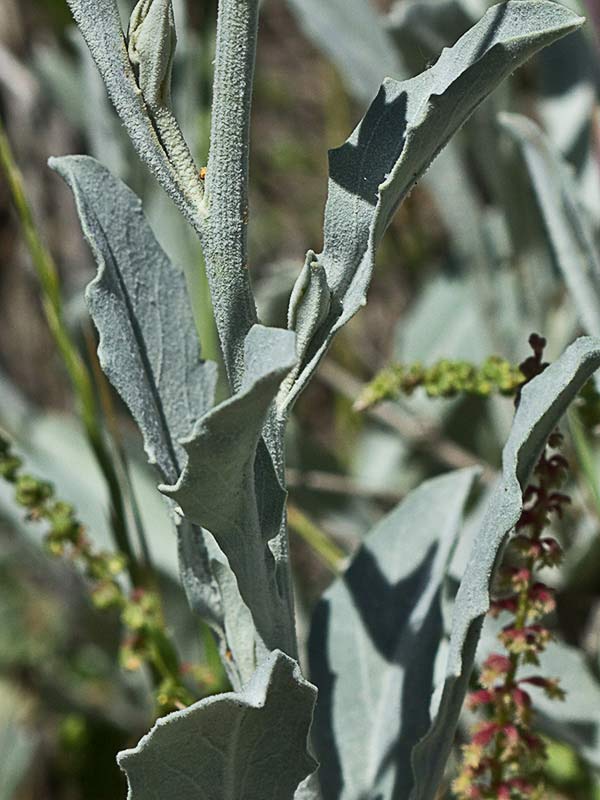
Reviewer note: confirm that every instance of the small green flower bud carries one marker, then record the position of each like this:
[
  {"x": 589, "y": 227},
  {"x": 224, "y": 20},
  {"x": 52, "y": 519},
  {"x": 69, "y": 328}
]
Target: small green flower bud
[
  {"x": 63, "y": 523},
  {"x": 31, "y": 492},
  {"x": 107, "y": 595},
  {"x": 134, "y": 617},
  {"x": 9, "y": 466},
  {"x": 116, "y": 563}
]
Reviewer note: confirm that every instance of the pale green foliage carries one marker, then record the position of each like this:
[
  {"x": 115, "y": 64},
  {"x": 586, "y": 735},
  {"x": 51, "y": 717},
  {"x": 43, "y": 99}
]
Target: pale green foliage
[
  {"x": 100, "y": 24},
  {"x": 404, "y": 129},
  {"x": 230, "y": 486},
  {"x": 223, "y": 467},
  {"x": 387, "y": 611},
  {"x": 219, "y": 744},
  {"x": 566, "y": 220},
  {"x": 15, "y": 744},
  {"x": 351, "y": 34},
  {"x": 543, "y": 401},
  {"x": 149, "y": 350},
  {"x": 148, "y": 344},
  {"x": 151, "y": 49}
]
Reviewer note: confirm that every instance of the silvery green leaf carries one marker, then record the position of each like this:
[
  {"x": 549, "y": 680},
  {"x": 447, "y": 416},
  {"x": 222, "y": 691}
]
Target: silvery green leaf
[
  {"x": 543, "y": 402},
  {"x": 405, "y": 127},
  {"x": 373, "y": 644},
  {"x": 309, "y": 789},
  {"x": 309, "y": 306},
  {"x": 167, "y": 156},
  {"x": 567, "y": 107},
  {"x": 433, "y": 330},
  {"x": 566, "y": 223},
  {"x": 148, "y": 344},
  {"x": 53, "y": 445},
  {"x": 229, "y": 485},
  {"x": 577, "y": 720},
  {"x": 246, "y": 745},
  {"x": 151, "y": 41},
  {"x": 149, "y": 351},
  {"x": 351, "y": 33},
  {"x": 213, "y": 593}
]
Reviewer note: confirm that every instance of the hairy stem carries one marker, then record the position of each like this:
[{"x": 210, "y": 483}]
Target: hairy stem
[{"x": 224, "y": 237}]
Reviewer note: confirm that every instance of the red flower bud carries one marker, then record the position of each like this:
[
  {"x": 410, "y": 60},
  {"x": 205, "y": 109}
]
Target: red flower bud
[
  {"x": 521, "y": 698},
  {"x": 479, "y": 698},
  {"x": 498, "y": 663},
  {"x": 484, "y": 733}
]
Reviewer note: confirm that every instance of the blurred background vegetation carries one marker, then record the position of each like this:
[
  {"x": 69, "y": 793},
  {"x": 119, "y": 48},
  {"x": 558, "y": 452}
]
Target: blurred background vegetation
[{"x": 466, "y": 270}]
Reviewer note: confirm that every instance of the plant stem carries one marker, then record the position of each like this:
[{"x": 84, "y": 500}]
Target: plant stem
[
  {"x": 224, "y": 235},
  {"x": 329, "y": 553},
  {"x": 81, "y": 381},
  {"x": 584, "y": 456}
]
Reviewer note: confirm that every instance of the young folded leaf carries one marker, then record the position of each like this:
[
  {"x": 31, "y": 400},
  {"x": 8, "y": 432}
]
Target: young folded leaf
[
  {"x": 543, "y": 401},
  {"x": 100, "y": 24},
  {"x": 374, "y": 640},
  {"x": 246, "y": 745},
  {"x": 151, "y": 48},
  {"x": 230, "y": 486},
  {"x": 404, "y": 129},
  {"x": 566, "y": 221}
]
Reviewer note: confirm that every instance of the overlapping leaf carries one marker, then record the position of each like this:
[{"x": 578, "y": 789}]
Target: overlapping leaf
[
  {"x": 543, "y": 402},
  {"x": 567, "y": 108},
  {"x": 148, "y": 344},
  {"x": 374, "y": 641},
  {"x": 567, "y": 226},
  {"x": 149, "y": 350},
  {"x": 406, "y": 126},
  {"x": 100, "y": 24},
  {"x": 230, "y": 487},
  {"x": 246, "y": 745}
]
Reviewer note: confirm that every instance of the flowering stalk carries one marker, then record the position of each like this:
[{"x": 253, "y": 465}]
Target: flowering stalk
[
  {"x": 147, "y": 641},
  {"x": 445, "y": 378},
  {"x": 505, "y": 758}
]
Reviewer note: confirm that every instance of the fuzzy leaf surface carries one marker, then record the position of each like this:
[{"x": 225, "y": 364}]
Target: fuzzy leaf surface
[
  {"x": 405, "y": 127},
  {"x": 149, "y": 351},
  {"x": 229, "y": 485},
  {"x": 148, "y": 344},
  {"x": 100, "y": 24},
  {"x": 374, "y": 640},
  {"x": 246, "y": 745},
  {"x": 544, "y": 400},
  {"x": 567, "y": 226}
]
